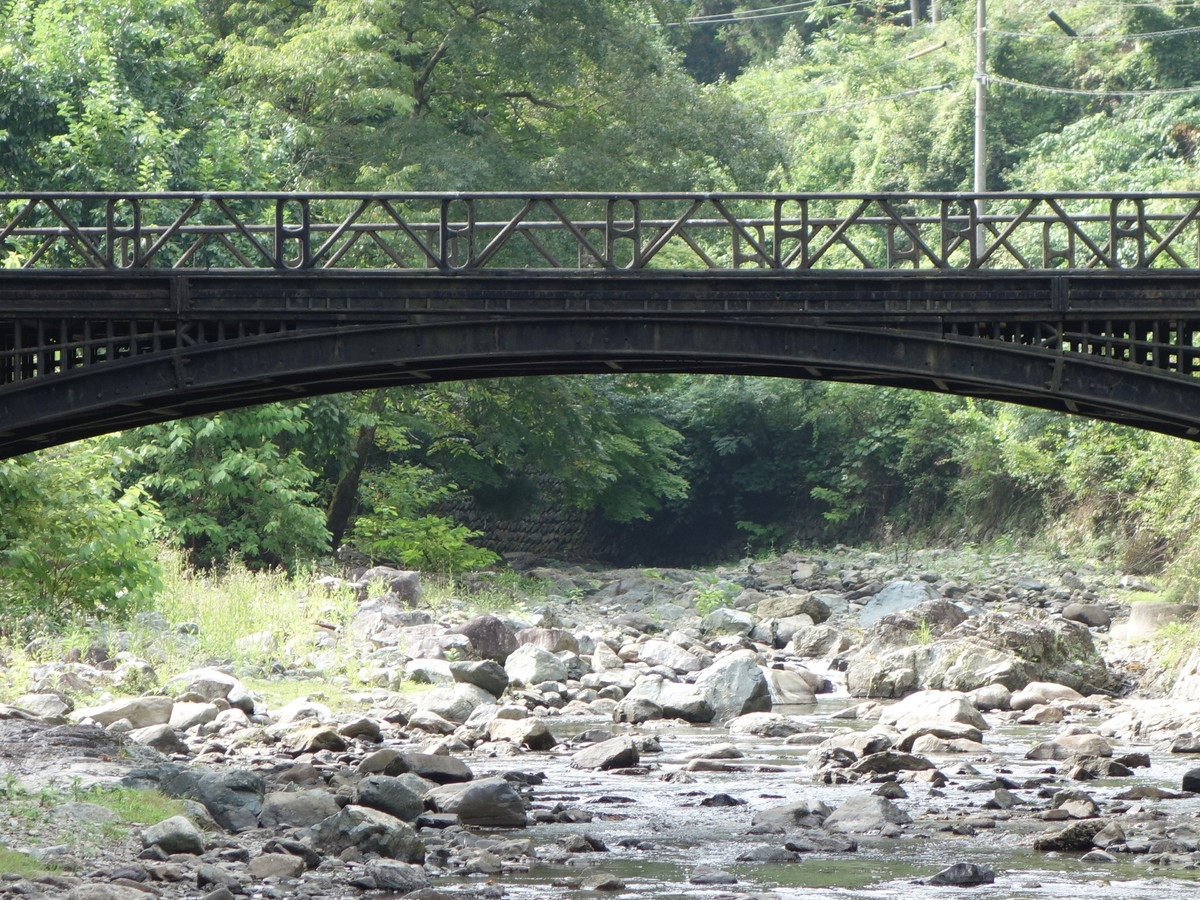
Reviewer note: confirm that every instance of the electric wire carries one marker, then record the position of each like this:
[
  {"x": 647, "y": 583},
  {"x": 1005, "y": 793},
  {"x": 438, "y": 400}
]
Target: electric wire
[
  {"x": 1061, "y": 36},
  {"x": 753, "y": 15},
  {"x": 868, "y": 101},
  {"x": 1045, "y": 88}
]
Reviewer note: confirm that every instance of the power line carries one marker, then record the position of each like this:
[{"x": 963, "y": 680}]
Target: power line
[
  {"x": 856, "y": 103},
  {"x": 1048, "y": 89},
  {"x": 752, "y": 15},
  {"x": 761, "y": 9},
  {"x": 1060, "y": 36}
]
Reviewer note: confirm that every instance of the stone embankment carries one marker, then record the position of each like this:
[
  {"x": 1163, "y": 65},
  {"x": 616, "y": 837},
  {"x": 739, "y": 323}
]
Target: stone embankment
[{"x": 859, "y": 703}]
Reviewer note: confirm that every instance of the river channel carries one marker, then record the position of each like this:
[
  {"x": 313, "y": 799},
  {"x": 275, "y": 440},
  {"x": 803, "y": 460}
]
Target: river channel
[{"x": 657, "y": 826}]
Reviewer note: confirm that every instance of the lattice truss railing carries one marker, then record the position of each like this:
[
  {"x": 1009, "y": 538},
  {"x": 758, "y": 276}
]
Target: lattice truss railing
[
  {"x": 446, "y": 233},
  {"x": 587, "y": 231}
]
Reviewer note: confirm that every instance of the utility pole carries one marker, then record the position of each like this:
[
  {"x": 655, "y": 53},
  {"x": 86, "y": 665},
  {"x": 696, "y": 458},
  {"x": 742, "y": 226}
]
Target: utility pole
[{"x": 980, "y": 117}]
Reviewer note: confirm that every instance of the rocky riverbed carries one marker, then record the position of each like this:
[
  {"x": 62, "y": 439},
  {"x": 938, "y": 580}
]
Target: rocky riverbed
[{"x": 848, "y": 724}]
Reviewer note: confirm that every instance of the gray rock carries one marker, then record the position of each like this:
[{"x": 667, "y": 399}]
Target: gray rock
[
  {"x": 174, "y": 835},
  {"x": 552, "y": 640},
  {"x": 895, "y": 597},
  {"x": 963, "y": 875},
  {"x": 486, "y": 803},
  {"x": 734, "y": 685},
  {"x": 275, "y": 865},
  {"x": 392, "y": 875},
  {"x": 434, "y": 767},
  {"x": 1075, "y": 837},
  {"x": 615, "y": 753},
  {"x": 141, "y": 712},
  {"x": 1091, "y": 614},
  {"x": 636, "y": 710},
  {"x": 487, "y": 674},
  {"x": 729, "y": 621},
  {"x": 530, "y": 733},
  {"x": 455, "y": 704},
  {"x": 233, "y": 797},
  {"x": 785, "y": 606},
  {"x": 860, "y": 815},
  {"x": 371, "y": 831},
  {"x": 404, "y": 584},
  {"x": 296, "y": 808},
  {"x": 664, "y": 653},
  {"x": 788, "y": 688},
  {"x": 490, "y": 637},
  {"x": 391, "y": 795},
  {"x": 707, "y": 875},
  {"x": 798, "y": 814},
  {"x": 162, "y": 738},
  {"x": 530, "y": 665}
]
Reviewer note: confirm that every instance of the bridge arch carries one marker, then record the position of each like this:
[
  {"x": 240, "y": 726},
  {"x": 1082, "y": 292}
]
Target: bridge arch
[{"x": 207, "y": 378}]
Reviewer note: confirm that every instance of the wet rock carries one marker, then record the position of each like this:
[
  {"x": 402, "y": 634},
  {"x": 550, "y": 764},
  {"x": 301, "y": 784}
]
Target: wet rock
[
  {"x": 1075, "y": 837},
  {"x": 814, "y": 841},
  {"x": 963, "y": 875},
  {"x": 860, "y": 815},
  {"x": 486, "y": 803},
  {"x": 710, "y": 875},
  {"x": 592, "y": 879},
  {"x": 1191, "y": 781},
  {"x": 769, "y": 855},
  {"x": 889, "y": 762},
  {"x": 798, "y": 814},
  {"x": 369, "y": 831},
  {"x": 615, "y": 753}
]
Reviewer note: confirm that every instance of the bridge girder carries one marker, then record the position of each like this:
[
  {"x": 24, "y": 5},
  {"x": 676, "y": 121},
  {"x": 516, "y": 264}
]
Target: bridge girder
[{"x": 207, "y": 377}]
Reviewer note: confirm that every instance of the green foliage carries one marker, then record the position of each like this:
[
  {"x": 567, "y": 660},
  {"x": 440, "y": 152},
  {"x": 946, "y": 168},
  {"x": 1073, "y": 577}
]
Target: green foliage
[
  {"x": 231, "y": 485},
  {"x": 72, "y": 541}
]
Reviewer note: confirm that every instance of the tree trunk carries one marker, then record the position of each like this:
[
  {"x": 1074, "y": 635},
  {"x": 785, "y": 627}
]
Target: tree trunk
[{"x": 345, "y": 494}]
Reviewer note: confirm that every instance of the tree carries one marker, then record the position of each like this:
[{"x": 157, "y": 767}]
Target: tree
[
  {"x": 72, "y": 540},
  {"x": 232, "y": 485}
]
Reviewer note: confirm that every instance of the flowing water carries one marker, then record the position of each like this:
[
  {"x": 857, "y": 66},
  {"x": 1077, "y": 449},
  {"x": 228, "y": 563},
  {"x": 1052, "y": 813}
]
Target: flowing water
[{"x": 658, "y": 830}]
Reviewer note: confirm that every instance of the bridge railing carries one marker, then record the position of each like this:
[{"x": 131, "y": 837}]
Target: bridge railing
[{"x": 614, "y": 232}]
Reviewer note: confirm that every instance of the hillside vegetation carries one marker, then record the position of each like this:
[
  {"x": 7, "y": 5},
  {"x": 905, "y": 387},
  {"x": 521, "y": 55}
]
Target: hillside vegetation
[{"x": 588, "y": 95}]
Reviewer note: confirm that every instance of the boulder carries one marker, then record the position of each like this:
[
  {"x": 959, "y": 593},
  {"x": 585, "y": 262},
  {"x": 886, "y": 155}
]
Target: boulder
[
  {"x": 656, "y": 652},
  {"x": 490, "y": 638},
  {"x": 486, "y": 803},
  {"x": 486, "y": 674},
  {"x": 455, "y": 704},
  {"x": 370, "y": 831},
  {"x": 296, "y": 809},
  {"x": 615, "y": 753},
  {"x": 140, "y": 712},
  {"x": 896, "y": 596},
  {"x": 430, "y": 766},
  {"x": 860, "y": 815},
  {"x": 392, "y": 795},
  {"x": 174, "y": 835},
  {"x": 734, "y": 685},
  {"x": 785, "y": 606},
  {"x": 529, "y": 664},
  {"x": 963, "y": 875},
  {"x": 788, "y": 688},
  {"x": 925, "y": 707}
]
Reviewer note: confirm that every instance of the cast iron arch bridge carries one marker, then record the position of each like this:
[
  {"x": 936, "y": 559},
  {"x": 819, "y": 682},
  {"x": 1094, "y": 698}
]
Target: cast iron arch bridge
[{"x": 119, "y": 310}]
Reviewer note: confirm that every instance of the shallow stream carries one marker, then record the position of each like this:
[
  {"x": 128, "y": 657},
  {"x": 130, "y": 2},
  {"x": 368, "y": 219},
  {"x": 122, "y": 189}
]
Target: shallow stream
[{"x": 673, "y": 832}]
